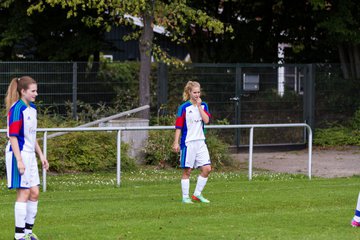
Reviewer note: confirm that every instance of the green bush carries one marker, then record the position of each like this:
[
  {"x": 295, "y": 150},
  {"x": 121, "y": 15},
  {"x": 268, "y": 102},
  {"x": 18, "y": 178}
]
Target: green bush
[
  {"x": 164, "y": 120},
  {"x": 339, "y": 135},
  {"x": 87, "y": 152},
  {"x": 336, "y": 136},
  {"x": 219, "y": 151},
  {"x": 82, "y": 151},
  {"x": 2, "y": 162},
  {"x": 158, "y": 150},
  {"x": 3, "y": 141},
  {"x": 77, "y": 152},
  {"x": 335, "y": 103},
  {"x": 355, "y": 123}
]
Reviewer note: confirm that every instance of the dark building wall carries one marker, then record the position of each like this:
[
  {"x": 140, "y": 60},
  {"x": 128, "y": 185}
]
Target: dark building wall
[
  {"x": 122, "y": 50},
  {"x": 129, "y": 50}
]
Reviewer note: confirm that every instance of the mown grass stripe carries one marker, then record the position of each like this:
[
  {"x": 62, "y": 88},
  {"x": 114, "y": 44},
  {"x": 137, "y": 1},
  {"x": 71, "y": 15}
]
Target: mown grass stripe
[{"x": 290, "y": 208}]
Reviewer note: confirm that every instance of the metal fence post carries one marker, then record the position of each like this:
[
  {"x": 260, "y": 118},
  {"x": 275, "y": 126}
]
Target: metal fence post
[
  {"x": 309, "y": 96},
  {"x": 162, "y": 96},
  {"x": 238, "y": 86},
  {"x": 74, "y": 90}
]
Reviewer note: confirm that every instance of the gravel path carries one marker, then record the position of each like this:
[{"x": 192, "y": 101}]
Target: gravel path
[{"x": 325, "y": 163}]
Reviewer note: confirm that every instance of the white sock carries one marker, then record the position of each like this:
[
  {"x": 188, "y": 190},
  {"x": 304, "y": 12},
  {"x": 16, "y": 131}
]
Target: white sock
[
  {"x": 185, "y": 186},
  {"x": 20, "y": 216},
  {"x": 357, "y": 211},
  {"x": 30, "y": 216},
  {"x": 201, "y": 182}
]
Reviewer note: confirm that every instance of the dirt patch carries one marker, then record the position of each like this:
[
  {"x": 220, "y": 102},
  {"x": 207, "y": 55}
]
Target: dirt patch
[{"x": 327, "y": 163}]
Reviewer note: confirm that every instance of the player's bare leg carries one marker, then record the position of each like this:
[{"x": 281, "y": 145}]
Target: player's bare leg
[{"x": 200, "y": 185}]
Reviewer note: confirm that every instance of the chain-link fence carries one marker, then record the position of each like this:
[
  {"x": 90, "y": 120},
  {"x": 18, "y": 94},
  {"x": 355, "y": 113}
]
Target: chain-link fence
[
  {"x": 236, "y": 93},
  {"x": 61, "y": 85},
  {"x": 253, "y": 93},
  {"x": 336, "y": 98}
]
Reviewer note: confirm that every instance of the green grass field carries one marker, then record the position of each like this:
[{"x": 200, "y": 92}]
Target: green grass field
[{"x": 148, "y": 206}]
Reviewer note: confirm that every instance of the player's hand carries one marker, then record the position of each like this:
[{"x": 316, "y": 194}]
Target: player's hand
[
  {"x": 21, "y": 167},
  {"x": 176, "y": 147},
  {"x": 45, "y": 164},
  {"x": 198, "y": 102}
]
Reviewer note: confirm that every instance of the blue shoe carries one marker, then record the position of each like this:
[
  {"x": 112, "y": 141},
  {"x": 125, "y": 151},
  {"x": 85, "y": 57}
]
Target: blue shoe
[{"x": 200, "y": 198}]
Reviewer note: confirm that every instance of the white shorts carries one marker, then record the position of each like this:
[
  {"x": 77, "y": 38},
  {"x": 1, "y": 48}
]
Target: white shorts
[
  {"x": 195, "y": 154},
  {"x": 30, "y": 178}
]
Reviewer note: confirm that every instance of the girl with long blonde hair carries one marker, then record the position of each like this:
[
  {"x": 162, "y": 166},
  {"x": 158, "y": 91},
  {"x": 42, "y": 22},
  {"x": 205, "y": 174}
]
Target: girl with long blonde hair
[
  {"x": 21, "y": 164},
  {"x": 191, "y": 117}
]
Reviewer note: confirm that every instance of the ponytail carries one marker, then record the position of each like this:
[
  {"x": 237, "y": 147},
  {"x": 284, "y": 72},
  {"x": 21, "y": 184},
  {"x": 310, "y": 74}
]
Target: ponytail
[
  {"x": 189, "y": 86},
  {"x": 13, "y": 93}
]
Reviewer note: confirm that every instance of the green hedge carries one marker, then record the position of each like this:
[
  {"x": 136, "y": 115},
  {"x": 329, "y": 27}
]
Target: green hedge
[
  {"x": 339, "y": 135},
  {"x": 2, "y": 156},
  {"x": 83, "y": 152},
  {"x": 336, "y": 136},
  {"x": 87, "y": 152}
]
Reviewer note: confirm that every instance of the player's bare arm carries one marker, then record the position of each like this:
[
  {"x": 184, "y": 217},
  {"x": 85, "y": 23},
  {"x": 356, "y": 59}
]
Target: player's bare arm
[
  {"x": 16, "y": 150},
  {"x": 176, "y": 145},
  {"x": 42, "y": 157}
]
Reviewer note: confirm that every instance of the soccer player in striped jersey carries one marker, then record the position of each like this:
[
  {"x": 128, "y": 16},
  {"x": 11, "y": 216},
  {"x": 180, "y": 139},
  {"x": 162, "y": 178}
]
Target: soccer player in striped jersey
[
  {"x": 191, "y": 117},
  {"x": 21, "y": 165}
]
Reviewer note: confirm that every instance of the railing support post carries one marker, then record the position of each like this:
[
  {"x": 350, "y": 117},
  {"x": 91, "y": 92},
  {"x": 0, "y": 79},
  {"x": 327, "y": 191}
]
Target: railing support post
[
  {"x": 45, "y": 154},
  {"x": 118, "y": 155},
  {"x": 251, "y": 146},
  {"x": 310, "y": 150}
]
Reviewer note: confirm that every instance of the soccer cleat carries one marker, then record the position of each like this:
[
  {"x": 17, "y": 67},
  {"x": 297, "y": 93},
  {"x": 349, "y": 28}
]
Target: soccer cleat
[
  {"x": 26, "y": 237},
  {"x": 32, "y": 236},
  {"x": 200, "y": 198},
  {"x": 186, "y": 200},
  {"x": 355, "y": 223}
]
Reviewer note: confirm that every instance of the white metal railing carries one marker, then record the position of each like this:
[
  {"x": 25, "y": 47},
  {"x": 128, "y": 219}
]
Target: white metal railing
[
  {"x": 106, "y": 119},
  {"x": 119, "y": 129}
]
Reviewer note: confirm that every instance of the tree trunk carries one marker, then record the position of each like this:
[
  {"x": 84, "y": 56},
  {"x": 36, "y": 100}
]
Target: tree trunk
[
  {"x": 343, "y": 61},
  {"x": 145, "y": 45},
  {"x": 351, "y": 60},
  {"x": 356, "y": 60}
]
